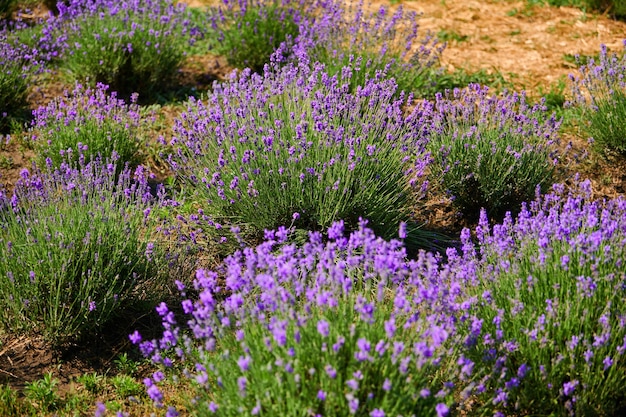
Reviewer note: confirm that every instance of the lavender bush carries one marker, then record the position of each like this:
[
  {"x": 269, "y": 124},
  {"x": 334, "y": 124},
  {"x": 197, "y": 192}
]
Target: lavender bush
[
  {"x": 87, "y": 123},
  {"x": 75, "y": 248},
  {"x": 340, "y": 35},
  {"x": 250, "y": 31},
  {"x": 549, "y": 315},
  {"x": 16, "y": 66},
  {"x": 132, "y": 46},
  {"x": 324, "y": 329},
  {"x": 600, "y": 91},
  {"x": 261, "y": 148},
  {"x": 491, "y": 152}
]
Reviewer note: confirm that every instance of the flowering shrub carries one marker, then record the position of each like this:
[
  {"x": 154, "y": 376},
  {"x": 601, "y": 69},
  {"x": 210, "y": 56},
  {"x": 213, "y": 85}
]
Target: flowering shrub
[
  {"x": 385, "y": 42},
  {"x": 262, "y": 148},
  {"x": 550, "y": 317},
  {"x": 87, "y": 123},
  {"x": 73, "y": 248},
  {"x": 250, "y": 31},
  {"x": 324, "y": 329},
  {"x": 491, "y": 152},
  {"x": 132, "y": 46},
  {"x": 601, "y": 94},
  {"x": 15, "y": 69}
]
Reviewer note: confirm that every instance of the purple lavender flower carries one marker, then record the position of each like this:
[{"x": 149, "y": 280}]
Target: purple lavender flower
[{"x": 442, "y": 410}]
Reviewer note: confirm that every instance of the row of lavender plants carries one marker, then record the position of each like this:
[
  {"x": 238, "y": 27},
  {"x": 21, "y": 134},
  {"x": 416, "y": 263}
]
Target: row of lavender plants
[
  {"x": 527, "y": 319},
  {"x": 324, "y": 317}
]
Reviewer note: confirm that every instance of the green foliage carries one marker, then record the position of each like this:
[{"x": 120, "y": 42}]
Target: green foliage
[
  {"x": 43, "y": 394},
  {"x": 606, "y": 123},
  {"x": 92, "y": 382},
  {"x": 126, "y": 365},
  {"x": 615, "y": 8},
  {"x": 490, "y": 170},
  {"x": 10, "y": 403},
  {"x": 250, "y": 35},
  {"x": 462, "y": 77},
  {"x": 451, "y": 35},
  {"x": 126, "y": 386},
  {"x": 13, "y": 95},
  {"x": 7, "y": 7}
]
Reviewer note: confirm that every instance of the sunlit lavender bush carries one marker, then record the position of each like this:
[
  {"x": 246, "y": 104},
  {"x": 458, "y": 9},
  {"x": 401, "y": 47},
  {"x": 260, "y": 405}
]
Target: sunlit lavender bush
[
  {"x": 345, "y": 327},
  {"x": 297, "y": 141},
  {"x": 250, "y": 31},
  {"x": 339, "y": 35},
  {"x": 88, "y": 122},
  {"x": 600, "y": 91},
  {"x": 132, "y": 46},
  {"x": 75, "y": 248},
  {"x": 491, "y": 151},
  {"x": 550, "y": 317}
]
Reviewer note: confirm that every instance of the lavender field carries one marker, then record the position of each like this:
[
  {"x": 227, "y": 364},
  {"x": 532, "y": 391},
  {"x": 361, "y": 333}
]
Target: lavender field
[{"x": 299, "y": 208}]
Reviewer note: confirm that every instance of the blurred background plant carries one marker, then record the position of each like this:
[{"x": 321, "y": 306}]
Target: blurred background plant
[{"x": 250, "y": 32}]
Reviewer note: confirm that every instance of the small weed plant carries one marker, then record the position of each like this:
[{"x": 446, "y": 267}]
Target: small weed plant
[
  {"x": 131, "y": 46},
  {"x": 87, "y": 123},
  {"x": 43, "y": 393},
  {"x": 600, "y": 92},
  {"x": 74, "y": 248},
  {"x": 491, "y": 152},
  {"x": 252, "y": 31}
]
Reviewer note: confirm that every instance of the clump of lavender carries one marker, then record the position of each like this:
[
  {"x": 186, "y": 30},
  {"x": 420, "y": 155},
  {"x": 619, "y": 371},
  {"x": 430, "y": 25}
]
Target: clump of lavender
[
  {"x": 263, "y": 147},
  {"x": 491, "y": 151},
  {"x": 337, "y": 328},
  {"x": 16, "y": 67},
  {"x": 74, "y": 248},
  {"x": 132, "y": 46},
  {"x": 551, "y": 302},
  {"x": 251, "y": 31},
  {"x": 87, "y": 122},
  {"x": 600, "y": 91},
  {"x": 340, "y": 35}
]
